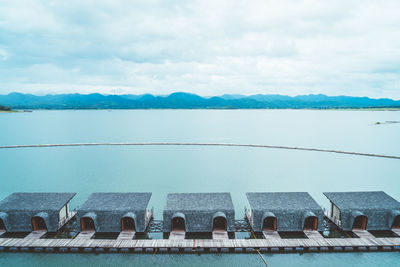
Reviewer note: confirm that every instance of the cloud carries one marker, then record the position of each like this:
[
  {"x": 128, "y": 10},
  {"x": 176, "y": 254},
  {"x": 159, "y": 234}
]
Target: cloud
[
  {"x": 3, "y": 54},
  {"x": 206, "y": 47}
]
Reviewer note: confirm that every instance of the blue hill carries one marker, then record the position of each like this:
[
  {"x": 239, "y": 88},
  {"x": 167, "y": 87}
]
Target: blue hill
[{"x": 180, "y": 100}]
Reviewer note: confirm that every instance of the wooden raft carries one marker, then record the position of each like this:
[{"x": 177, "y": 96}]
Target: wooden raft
[
  {"x": 396, "y": 231},
  {"x": 36, "y": 235},
  {"x": 85, "y": 235},
  {"x": 312, "y": 234},
  {"x": 246, "y": 245},
  {"x": 126, "y": 235},
  {"x": 362, "y": 233},
  {"x": 220, "y": 234},
  {"x": 271, "y": 234},
  {"x": 177, "y": 235}
]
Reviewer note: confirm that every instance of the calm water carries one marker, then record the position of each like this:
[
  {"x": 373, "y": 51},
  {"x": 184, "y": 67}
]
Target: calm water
[{"x": 200, "y": 169}]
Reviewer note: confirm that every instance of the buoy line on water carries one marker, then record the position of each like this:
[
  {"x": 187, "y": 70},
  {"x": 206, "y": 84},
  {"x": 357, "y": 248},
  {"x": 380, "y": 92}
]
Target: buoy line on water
[{"x": 202, "y": 144}]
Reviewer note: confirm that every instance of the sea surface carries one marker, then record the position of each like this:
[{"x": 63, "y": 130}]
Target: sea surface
[{"x": 162, "y": 170}]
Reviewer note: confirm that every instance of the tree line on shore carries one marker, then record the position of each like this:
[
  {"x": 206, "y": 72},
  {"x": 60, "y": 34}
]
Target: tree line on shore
[{"x": 3, "y": 108}]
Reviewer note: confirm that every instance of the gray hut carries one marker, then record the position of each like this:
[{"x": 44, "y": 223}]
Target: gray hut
[
  {"x": 25, "y": 212},
  {"x": 369, "y": 210},
  {"x": 284, "y": 211},
  {"x": 115, "y": 212},
  {"x": 199, "y": 212}
]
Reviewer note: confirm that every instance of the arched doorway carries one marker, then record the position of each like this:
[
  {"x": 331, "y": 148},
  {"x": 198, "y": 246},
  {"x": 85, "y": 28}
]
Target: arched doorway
[
  {"x": 2, "y": 226},
  {"x": 219, "y": 223},
  {"x": 360, "y": 222},
  {"x": 127, "y": 224},
  {"x": 178, "y": 224},
  {"x": 396, "y": 222},
  {"x": 87, "y": 224},
  {"x": 38, "y": 224},
  {"x": 269, "y": 224},
  {"x": 311, "y": 223}
]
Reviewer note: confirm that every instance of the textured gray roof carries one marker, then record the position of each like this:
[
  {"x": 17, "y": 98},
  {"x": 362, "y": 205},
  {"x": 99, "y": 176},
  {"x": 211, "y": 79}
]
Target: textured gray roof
[
  {"x": 116, "y": 201},
  {"x": 199, "y": 201},
  {"x": 35, "y": 201},
  {"x": 362, "y": 200},
  {"x": 281, "y": 201}
]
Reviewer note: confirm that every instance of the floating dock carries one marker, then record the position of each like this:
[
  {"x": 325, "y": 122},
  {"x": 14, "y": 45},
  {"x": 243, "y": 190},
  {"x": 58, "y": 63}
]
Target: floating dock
[
  {"x": 285, "y": 223},
  {"x": 272, "y": 245}
]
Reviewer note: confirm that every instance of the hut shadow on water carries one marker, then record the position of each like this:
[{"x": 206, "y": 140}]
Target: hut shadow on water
[
  {"x": 383, "y": 233},
  {"x": 15, "y": 234},
  {"x": 337, "y": 233},
  {"x": 292, "y": 235}
]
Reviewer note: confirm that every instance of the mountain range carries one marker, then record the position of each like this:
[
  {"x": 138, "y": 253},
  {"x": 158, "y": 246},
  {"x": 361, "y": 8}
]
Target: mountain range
[{"x": 180, "y": 100}]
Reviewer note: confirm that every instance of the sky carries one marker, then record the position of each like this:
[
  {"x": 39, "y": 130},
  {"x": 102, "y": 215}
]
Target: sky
[{"x": 206, "y": 47}]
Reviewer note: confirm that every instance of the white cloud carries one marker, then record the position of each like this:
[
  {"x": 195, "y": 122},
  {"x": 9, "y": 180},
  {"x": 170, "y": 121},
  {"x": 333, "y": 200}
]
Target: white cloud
[
  {"x": 205, "y": 47},
  {"x": 3, "y": 54}
]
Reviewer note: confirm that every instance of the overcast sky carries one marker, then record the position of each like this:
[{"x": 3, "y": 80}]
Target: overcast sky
[{"x": 205, "y": 47}]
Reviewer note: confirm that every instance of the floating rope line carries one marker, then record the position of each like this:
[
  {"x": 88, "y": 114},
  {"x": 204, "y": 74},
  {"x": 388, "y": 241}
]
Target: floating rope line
[
  {"x": 258, "y": 251},
  {"x": 203, "y": 144},
  {"x": 262, "y": 257}
]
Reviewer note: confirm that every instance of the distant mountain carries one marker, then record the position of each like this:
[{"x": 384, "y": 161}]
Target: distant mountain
[
  {"x": 181, "y": 100},
  {"x": 229, "y": 96}
]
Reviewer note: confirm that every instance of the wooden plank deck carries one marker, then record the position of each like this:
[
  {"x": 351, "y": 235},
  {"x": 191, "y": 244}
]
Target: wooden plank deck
[
  {"x": 363, "y": 233},
  {"x": 177, "y": 235},
  {"x": 396, "y": 231},
  {"x": 220, "y": 234},
  {"x": 85, "y": 235},
  {"x": 311, "y": 234},
  {"x": 207, "y": 243},
  {"x": 190, "y": 244},
  {"x": 126, "y": 235},
  {"x": 271, "y": 234},
  {"x": 36, "y": 235}
]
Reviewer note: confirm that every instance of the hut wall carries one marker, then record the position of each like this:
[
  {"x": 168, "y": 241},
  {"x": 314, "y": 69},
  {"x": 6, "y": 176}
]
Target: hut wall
[
  {"x": 335, "y": 213},
  {"x": 21, "y": 221},
  {"x": 287, "y": 220},
  {"x": 63, "y": 212},
  {"x": 199, "y": 221},
  {"x": 110, "y": 221},
  {"x": 377, "y": 219}
]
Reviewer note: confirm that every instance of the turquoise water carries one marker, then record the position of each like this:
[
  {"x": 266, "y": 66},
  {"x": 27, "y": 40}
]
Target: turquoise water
[
  {"x": 307, "y": 260},
  {"x": 199, "y": 169}
]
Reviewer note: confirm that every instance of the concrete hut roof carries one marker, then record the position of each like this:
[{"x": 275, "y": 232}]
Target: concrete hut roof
[
  {"x": 367, "y": 200},
  {"x": 199, "y": 202},
  {"x": 35, "y": 201},
  {"x": 281, "y": 201},
  {"x": 116, "y": 202}
]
